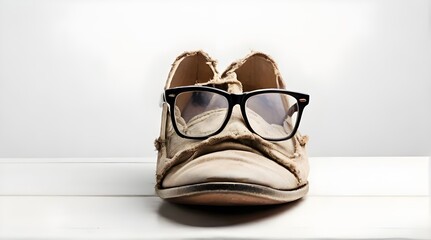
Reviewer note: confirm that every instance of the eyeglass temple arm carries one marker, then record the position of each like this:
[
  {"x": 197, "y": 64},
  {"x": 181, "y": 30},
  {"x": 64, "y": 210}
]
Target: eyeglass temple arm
[
  {"x": 162, "y": 99},
  {"x": 292, "y": 110}
]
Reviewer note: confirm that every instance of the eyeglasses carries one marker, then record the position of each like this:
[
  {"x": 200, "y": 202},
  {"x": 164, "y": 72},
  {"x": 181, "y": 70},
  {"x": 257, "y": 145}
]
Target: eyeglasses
[{"x": 198, "y": 112}]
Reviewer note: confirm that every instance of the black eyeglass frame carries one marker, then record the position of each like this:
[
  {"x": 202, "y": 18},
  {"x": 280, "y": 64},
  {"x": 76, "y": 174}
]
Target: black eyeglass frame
[{"x": 170, "y": 95}]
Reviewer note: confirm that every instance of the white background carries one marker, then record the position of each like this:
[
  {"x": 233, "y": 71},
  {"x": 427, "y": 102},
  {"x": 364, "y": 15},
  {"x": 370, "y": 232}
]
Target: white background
[{"x": 83, "y": 78}]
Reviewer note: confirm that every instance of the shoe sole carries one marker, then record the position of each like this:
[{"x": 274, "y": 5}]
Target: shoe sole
[{"x": 230, "y": 193}]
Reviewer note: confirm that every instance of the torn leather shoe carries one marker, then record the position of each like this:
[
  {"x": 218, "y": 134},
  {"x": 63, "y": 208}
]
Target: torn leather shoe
[{"x": 235, "y": 166}]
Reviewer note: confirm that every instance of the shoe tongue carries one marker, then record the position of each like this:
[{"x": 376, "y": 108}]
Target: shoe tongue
[
  {"x": 234, "y": 86},
  {"x": 228, "y": 83}
]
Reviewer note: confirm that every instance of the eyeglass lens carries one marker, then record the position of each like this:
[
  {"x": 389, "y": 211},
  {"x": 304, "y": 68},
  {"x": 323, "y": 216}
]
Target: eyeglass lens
[
  {"x": 200, "y": 113},
  {"x": 272, "y": 115}
]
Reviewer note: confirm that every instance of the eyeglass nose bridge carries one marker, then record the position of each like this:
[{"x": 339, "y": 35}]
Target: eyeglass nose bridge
[{"x": 236, "y": 99}]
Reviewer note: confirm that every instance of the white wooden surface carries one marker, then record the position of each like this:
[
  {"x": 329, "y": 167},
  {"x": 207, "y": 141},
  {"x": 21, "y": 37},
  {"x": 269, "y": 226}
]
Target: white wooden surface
[{"x": 114, "y": 199}]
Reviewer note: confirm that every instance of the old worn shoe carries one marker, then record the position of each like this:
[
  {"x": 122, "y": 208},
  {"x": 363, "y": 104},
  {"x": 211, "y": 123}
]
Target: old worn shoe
[{"x": 230, "y": 139}]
